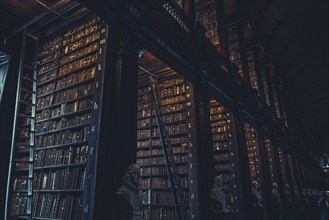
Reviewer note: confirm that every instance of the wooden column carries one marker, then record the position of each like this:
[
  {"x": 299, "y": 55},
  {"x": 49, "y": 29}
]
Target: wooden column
[
  {"x": 206, "y": 169},
  {"x": 290, "y": 171},
  {"x": 258, "y": 72},
  {"x": 266, "y": 184},
  {"x": 297, "y": 172},
  {"x": 279, "y": 168},
  {"x": 221, "y": 27},
  {"x": 243, "y": 55},
  {"x": 117, "y": 148},
  {"x": 243, "y": 165}
]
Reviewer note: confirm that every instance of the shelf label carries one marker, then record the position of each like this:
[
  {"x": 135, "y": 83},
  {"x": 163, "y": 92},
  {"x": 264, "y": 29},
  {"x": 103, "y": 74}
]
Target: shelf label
[
  {"x": 86, "y": 209},
  {"x": 95, "y": 105},
  {"x": 93, "y": 128}
]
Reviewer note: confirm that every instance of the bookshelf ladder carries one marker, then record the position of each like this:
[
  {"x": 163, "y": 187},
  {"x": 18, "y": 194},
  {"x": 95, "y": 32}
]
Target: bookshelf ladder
[
  {"x": 23, "y": 139},
  {"x": 174, "y": 179}
]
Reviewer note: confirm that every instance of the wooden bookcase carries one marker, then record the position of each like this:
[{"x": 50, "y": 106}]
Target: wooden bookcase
[{"x": 65, "y": 121}]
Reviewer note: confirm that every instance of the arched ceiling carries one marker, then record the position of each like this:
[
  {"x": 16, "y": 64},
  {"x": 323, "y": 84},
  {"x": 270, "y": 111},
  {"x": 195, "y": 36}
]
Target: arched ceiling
[{"x": 295, "y": 36}]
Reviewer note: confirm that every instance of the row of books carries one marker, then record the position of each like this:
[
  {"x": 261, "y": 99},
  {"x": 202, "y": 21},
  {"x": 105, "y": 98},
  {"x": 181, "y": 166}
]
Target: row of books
[
  {"x": 67, "y": 81},
  {"x": 144, "y": 110},
  {"x": 223, "y": 167},
  {"x": 22, "y": 162},
  {"x": 158, "y": 152},
  {"x": 165, "y": 213},
  {"x": 171, "y": 91},
  {"x": 221, "y": 137},
  {"x": 181, "y": 169},
  {"x": 80, "y": 32},
  {"x": 70, "y": 36},
  {"x": 221, "y": 146},
  {"x": 161, "y": 183},
  {"x": 222, "y": 157},
  {"x": 67, "y": 178},
  {"x": 57, "y": 206},
  {"x": 78, "y": 53},
  {"x": 18, "y": 204},
  {"x": 74, "y": 93},
  {"x": 54, "y": 156},
  {"x": 79, "y": 42},
  {"x": 77, "y": 64},
  {"x": 224, "y": 128},
  {"x": 66, "y": 108},
  {"x": 63, "y": 137},
  {"x": 160, "y": 160},
  {"x": 163, "y": 197},
  {"x": 217, "y": 110},
  {"x": 166, "y": 118},
  {"x": 218, "y": 117},
  {"x": 19, "y": 182},
  {"x": 64, "y": 122},
  {"x": 154, "y": 132}
]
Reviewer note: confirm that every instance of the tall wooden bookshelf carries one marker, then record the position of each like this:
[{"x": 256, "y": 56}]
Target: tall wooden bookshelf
[
  {"x": 224, "y": 150},
  {"x": 252, "y": 70},
  {"x": 206, "y": 13},
  {"x": 253, "y": 152},
  {"x": 283, "y": 166},
  {"x": 270, "y": 158},
  {"x": 70, "y": 71},
  {"x": 176, "y": 98},
  {"x": 234, "y": 49}
]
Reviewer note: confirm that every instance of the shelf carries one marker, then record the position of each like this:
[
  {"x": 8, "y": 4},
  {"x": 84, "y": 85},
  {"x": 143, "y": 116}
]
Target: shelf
[
  {"x": 216, "y": 120},
  {"x": 158, "y": 137},
  {"x": 221, "y": 132},
  {"x": 64, "y": 102},
  {"x": 62, "y": 129},
  {"x": 175, "y": 95},
  {"x": 63, "y": 145},
  {"x": 160, "y": 155},
  {"x": 66, "y": 115},
  {"x": 218, "y": 151},
  {"x": 162, "y": 164},
  {"x": 221, "y": 141},
  {"x": 59, "y": 166},
  {"x": 160, "y": 175},
  {"x": 41, "y": 84},
  {"x": 160, "y": 146},
  {"x": 58, "y": 190},
  {"x": 166, "y": 123},
  {"x": 72, "y": 51},
  {"x": 164, "y": 189},
  {"x": 165, "y": 205},
  {"x": 68, "y": 62}
]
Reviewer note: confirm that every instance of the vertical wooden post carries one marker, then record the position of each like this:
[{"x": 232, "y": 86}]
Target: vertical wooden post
[
  {"x": 243, "y": 165},
  {"x": 206, "y": 169},
  {"x": 117, "y": 148}
]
